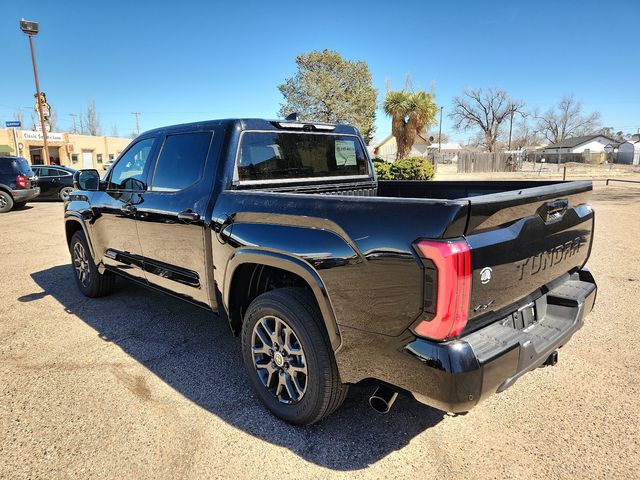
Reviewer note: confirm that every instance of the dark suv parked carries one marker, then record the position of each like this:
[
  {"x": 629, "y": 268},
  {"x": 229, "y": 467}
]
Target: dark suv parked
[
  {"x": 55, "y": 181},
  {"x": 17, "y": 183}
]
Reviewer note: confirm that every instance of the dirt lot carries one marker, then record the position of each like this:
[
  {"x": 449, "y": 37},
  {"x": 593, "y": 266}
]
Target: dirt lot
[{"x": 138, "y": 385}]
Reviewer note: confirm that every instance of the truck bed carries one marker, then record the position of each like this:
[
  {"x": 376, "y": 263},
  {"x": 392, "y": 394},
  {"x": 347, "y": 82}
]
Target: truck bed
[{"x": 514, "y": 229}]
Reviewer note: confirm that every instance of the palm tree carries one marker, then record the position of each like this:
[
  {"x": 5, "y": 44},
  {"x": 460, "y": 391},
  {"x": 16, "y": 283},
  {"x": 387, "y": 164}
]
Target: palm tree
[{"x": 410, "y": 112}]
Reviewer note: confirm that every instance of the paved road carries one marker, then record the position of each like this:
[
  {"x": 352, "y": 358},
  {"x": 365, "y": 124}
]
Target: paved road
[{"x": 138, "y": 385}]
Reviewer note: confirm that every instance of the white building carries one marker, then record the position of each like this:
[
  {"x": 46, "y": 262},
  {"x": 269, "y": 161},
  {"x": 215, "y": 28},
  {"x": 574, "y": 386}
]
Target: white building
[
  {"x": 448, "y": 151},
  {"x": 585, "y": 144},
  {"x": 387, "y": 148}
]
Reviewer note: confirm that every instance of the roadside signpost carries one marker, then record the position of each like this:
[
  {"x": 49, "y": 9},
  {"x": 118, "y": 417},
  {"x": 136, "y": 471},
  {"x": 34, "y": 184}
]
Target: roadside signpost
[{"x": 13, "y": 124}]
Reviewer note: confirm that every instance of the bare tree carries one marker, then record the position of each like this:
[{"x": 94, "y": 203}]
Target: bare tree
[
  {"x": 53, "y": 120},
  {"x": 485, "y": 110},
  {"x": 611, "y": 133},
  {"x": 434, "y": 133},
  {"x": 92, "y": 120},
  {"x": 114, "y": 130},
  {"x": 566, "y": 120},
  {"x": 525, "y": 134},
  {"x": 18, "y": 115}
]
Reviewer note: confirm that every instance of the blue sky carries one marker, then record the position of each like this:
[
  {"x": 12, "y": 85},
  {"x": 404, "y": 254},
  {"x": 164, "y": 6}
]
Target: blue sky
[{"x": 184, "y": 61}]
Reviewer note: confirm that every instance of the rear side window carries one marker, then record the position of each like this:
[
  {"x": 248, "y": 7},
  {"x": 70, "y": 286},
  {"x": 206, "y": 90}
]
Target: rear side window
[
  {"x": 181, "y": 161},
  {"x": 6, "y": 166},
  {"x": 49, "y": 172},
  {"x": 23, "y": 167},
  {"x": 289, "y": 155}
]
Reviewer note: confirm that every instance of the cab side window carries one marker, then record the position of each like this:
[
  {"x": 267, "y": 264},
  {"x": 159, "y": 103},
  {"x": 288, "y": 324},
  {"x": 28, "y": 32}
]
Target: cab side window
[
  {"x": 181, "y": 161},
  {"x": 128, "y": 173}
]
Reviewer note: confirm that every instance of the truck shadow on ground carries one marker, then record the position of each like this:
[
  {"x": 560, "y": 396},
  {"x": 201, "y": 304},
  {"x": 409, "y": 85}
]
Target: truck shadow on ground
[{"x": 195, "y": 353}]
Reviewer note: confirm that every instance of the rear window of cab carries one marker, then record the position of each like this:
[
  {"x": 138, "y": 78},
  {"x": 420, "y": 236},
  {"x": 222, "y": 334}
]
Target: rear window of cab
[{"x": 293, "y": 155}]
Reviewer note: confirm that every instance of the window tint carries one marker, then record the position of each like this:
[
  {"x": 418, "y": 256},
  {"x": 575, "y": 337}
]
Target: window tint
[
  {"x": 181, "y": 161},
  {"x": 128, "y": 173},
  {"x": 23, "y": 167},
  {"x": 49, "y": 172},
  {"x": 279, "y": 156},
  {"x": 6, "y": 166}
]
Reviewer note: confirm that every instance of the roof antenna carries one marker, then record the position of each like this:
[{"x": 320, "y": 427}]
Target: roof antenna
[{"x": 292, "y": 116}]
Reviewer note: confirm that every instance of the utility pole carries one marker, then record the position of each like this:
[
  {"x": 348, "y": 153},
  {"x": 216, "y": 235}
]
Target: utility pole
[
  {"x": 73, "y": 117},
  {"x": 31, "y": 29},
  {"x": 440, "y": 133},
  {"x": 510, "y": 128},
  {"x": 137, "y": 114}
]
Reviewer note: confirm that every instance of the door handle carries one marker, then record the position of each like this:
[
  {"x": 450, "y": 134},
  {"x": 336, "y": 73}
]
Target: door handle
[
  {"x": 188, "y": 216},
  {"x": 128, "y": 208}
]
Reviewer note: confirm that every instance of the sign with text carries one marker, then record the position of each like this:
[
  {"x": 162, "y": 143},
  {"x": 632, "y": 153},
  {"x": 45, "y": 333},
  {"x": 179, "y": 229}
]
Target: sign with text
[
  {"x": 33, "y": 135},
  {"x": 345, "y": 153},
  {"x": 13, "y": 124}
]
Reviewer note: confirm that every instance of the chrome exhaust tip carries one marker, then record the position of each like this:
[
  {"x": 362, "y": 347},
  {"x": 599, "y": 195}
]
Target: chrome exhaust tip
[{"x": 383, "y": 399}]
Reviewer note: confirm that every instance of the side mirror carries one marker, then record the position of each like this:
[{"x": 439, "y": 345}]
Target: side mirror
[{"x": 86, "y": 180}]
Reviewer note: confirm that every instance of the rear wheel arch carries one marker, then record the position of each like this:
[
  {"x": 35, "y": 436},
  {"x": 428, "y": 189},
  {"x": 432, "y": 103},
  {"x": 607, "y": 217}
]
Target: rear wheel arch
[{"x": 250, "y": 273}]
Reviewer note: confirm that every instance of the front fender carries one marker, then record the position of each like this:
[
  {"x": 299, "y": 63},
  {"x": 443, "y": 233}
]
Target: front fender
[
  {"x": 79, "y": 219},
  {"x": 294, "y": 265}
]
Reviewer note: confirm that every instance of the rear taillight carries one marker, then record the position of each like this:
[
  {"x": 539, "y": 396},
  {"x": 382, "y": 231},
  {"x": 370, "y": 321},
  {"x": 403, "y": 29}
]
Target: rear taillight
[
  {"x": 22, "y": 181},
  {"x": 452, "y": 261}
]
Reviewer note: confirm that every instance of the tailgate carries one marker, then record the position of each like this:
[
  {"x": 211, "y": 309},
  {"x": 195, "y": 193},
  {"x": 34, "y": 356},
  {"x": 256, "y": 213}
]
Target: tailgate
[{"x": 523, "y": 240}]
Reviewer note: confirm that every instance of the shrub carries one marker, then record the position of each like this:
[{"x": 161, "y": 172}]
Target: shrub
[
  {"x": 383, "y": 169},
  {"x": 412, "y": 168}
]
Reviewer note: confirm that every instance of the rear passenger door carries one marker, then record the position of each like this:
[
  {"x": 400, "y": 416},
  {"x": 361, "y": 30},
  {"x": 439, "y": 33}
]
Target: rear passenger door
[
  {"x": 48, "y": 180},
  {"x": 171, "y": 216}
]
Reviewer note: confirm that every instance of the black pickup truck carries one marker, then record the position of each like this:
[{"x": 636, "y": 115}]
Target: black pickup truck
[{"x": 448, "y": 291}]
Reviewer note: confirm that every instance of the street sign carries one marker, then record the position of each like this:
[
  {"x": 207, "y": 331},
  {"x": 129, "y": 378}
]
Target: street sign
[{"x": 13, "y": 124}]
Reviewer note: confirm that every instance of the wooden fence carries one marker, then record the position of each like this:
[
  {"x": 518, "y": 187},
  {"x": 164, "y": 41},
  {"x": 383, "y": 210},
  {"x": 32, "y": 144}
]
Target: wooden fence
[
  {"x": 593, "y": 158},
  {"x": 469, "y": 162}
]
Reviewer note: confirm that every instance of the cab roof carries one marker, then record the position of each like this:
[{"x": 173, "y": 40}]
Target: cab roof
[{"x": 258, "y": 124}]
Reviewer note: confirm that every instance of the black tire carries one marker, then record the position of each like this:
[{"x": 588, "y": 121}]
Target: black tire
[
  {"x": 6, "y": 202},
  {"x": 90, "y": 282},
  {"x": 64, "y": 192},
  {"x": 324, "y": 392}
]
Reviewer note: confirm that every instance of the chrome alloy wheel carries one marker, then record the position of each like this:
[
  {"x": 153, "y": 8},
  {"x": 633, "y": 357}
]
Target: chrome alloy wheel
[
  {"x": 278, "y": 359},
  {"x": 81, "y": 264},
  {"x": 64, "y": 193},
  {"x": 3, "y": 202}
]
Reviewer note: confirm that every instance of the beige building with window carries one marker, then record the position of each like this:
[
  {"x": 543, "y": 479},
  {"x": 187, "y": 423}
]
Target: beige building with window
[{"x": 75, "y": 151}]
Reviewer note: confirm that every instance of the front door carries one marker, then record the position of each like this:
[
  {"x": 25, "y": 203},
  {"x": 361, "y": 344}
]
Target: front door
[
  {"x": 114, "y": 231},
  {"x": 87, "y": 159},
  {"x": 171, "y": 216}
]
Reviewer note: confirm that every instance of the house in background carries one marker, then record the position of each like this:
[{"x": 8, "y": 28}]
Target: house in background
[
  {"x": 584, "y": 144},
  {"x": 447, "y": 152},
  {"x": 387, "y": 148}
]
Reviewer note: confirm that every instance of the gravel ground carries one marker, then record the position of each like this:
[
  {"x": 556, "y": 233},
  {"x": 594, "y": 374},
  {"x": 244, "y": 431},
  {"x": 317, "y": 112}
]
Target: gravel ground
[{"x": 138, "y": 385}]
